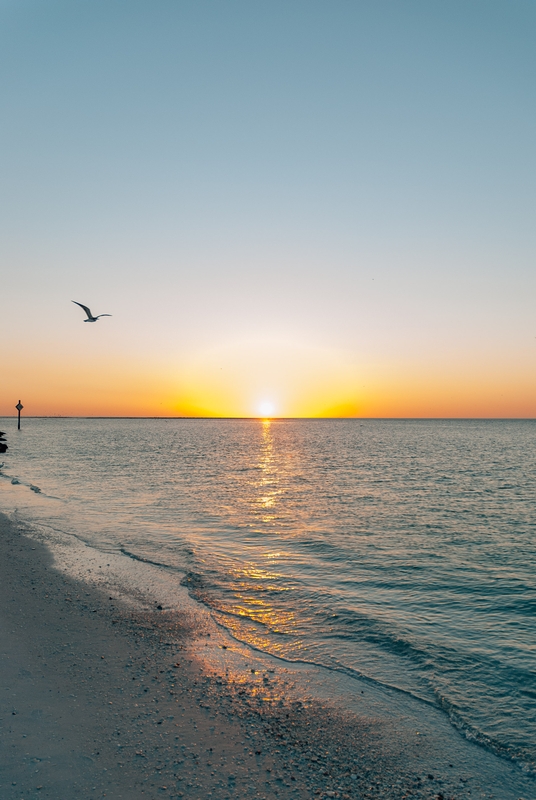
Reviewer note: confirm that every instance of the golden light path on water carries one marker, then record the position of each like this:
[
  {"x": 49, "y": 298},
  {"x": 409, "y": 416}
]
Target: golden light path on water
[
  {"x": 252, "y": 581},
  {"x": 268, "y": 484}
]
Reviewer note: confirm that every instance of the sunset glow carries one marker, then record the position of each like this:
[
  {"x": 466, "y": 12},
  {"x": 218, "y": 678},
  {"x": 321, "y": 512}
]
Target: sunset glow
[{"x": 266, "y": 409}]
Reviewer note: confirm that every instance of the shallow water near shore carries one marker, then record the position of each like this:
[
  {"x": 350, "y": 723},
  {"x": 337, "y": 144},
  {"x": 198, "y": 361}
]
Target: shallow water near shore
[{"x": 399, "y": 552}]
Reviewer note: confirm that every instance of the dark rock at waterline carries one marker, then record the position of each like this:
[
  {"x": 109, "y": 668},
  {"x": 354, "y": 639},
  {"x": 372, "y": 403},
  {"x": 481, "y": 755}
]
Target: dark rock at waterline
[{"x": 3, "y": 447}]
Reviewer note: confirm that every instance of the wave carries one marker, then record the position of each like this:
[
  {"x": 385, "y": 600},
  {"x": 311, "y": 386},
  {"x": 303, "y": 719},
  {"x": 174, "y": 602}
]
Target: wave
[{"x": 366, "y": 630}]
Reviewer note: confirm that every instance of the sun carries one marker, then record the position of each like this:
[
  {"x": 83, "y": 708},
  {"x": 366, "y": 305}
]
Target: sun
[{"x": 266, "y": 409}]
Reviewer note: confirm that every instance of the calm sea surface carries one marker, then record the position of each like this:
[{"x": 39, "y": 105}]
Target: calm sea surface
[{"x": 402, "y": 551}]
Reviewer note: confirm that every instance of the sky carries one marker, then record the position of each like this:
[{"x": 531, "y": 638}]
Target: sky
[{"x": 289, "y": 208}]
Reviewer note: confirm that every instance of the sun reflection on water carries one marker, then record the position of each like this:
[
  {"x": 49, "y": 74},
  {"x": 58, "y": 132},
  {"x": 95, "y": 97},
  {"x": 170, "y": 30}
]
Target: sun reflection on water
[
  {"x": 251, "y": 582},
  {"x": 268, "y": 484},
  {"x": 252, "y": 602}
]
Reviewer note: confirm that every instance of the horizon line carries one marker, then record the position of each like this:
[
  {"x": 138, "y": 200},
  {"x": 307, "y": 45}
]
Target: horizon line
[{"x": 270, "y": 419}]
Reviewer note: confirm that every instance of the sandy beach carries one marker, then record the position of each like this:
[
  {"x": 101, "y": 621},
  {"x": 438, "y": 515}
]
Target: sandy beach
[{"x": 102, "y": 700}]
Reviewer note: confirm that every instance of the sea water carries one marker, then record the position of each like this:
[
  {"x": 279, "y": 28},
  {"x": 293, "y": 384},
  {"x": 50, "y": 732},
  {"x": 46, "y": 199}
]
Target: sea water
[{"x": 402, "y": 552}]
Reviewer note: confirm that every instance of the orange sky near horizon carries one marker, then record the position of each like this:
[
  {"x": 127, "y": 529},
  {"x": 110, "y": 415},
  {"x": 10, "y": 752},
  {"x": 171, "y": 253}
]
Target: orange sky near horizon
[{"x": 239, "y": 382}]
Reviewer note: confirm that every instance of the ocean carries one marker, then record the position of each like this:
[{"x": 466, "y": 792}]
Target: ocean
[{"x": 399, "y": 552}]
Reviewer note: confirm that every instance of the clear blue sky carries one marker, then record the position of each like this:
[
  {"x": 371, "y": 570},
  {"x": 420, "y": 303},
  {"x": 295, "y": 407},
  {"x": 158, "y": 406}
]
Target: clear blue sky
[{"x": 356, "y": 178}]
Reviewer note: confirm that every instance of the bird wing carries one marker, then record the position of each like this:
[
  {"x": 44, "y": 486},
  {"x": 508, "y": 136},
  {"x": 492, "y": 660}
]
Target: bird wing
[
  {"x": 103, "y": 315},
  {"x": 86, "y": 309}
]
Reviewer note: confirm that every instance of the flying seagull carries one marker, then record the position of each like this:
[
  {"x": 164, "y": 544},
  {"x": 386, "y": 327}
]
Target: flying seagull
[{"x": 90, "y": 317}]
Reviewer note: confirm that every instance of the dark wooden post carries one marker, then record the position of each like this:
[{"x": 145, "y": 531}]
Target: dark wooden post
[{"x": 19, "y": 408}]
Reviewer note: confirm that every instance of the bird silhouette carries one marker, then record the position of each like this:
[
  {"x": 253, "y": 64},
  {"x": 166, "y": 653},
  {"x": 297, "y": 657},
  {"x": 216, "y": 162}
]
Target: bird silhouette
[{"x": 90, "y": 317}]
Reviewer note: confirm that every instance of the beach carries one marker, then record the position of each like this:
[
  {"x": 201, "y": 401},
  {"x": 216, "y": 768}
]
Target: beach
[
  {"x": 100, "y": 698},
  {"x": 268, "y": 406}
]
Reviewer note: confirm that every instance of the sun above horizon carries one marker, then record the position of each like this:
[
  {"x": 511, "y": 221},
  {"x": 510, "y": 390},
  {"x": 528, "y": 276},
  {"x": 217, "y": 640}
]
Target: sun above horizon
[{"x": 266, "y": 409}]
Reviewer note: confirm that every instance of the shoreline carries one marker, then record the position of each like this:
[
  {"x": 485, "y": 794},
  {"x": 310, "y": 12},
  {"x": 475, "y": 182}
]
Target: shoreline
[{"x": 103, "y": 699}]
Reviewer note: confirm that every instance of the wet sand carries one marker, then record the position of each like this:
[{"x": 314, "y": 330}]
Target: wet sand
[{"x": 98, "y": 699}]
